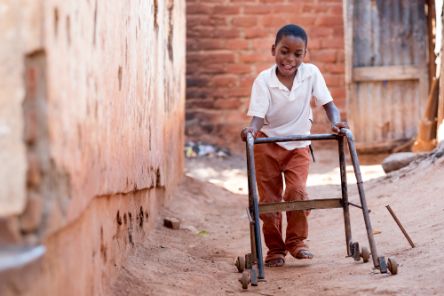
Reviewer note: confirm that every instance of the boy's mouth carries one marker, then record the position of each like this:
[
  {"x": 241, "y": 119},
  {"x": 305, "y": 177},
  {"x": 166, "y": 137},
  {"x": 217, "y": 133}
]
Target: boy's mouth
[{"x": 287, "y": 67}]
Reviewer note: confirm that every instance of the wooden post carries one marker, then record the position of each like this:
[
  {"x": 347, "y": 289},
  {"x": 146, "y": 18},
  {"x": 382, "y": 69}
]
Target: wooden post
[{"x": 440, "y": 123}]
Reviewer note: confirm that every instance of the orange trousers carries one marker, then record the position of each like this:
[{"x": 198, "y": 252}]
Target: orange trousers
[{"x": 273, "y": 164}]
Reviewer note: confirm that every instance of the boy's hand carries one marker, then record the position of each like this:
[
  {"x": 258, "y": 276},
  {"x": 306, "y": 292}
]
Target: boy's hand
[
  {"x": 336, "y": 128},
  {"x": 247, "y": 130}
]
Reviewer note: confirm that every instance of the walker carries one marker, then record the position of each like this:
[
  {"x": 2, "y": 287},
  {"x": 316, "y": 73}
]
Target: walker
[{"x": 252, "y": 264}]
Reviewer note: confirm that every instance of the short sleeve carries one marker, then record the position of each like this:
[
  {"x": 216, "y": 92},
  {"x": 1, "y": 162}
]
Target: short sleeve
[
  {"x": 320, "y": 91},
  {"x": 260, "y": 99}
]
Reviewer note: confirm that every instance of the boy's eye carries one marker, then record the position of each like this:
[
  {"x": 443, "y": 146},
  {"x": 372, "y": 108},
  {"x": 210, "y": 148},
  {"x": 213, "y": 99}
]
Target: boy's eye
[{"x": 283, "y": 52}]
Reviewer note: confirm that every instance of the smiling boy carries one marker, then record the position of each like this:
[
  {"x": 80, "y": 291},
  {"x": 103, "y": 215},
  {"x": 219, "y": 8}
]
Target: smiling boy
[{"x": 280, "y": 106}]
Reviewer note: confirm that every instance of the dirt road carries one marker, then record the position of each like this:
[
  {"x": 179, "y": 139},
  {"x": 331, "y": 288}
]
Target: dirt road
[{"x": 198, "y": 258}]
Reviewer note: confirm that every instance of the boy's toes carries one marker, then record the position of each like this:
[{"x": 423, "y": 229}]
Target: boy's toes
[
  {"x": 278, "y": 262},
  {"x": 302, "y": 254}
]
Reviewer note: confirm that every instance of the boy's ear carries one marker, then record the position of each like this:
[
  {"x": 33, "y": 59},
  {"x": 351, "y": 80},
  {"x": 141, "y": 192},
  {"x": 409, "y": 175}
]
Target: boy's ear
[{"x": 273, "y": 50}]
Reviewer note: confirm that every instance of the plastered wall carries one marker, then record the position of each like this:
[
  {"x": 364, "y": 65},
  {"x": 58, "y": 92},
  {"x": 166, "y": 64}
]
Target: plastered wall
[{"x": 92, "y": 117}]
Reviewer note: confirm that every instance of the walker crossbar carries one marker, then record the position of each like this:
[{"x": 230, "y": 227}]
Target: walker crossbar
[{"x": 255, "y": 208}]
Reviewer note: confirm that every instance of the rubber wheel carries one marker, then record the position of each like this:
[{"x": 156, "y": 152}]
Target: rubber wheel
[
  {"x": 240, "y": 263},
  {"x": 355, "y": 251},
  {"x": 392, "y": 265},
  {"x": 245, "y": 279},
  {"x": 365, "y": 254}
]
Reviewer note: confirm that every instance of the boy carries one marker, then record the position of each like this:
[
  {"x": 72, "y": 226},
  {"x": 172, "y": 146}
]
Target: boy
[{"x": 280, "y": 106}]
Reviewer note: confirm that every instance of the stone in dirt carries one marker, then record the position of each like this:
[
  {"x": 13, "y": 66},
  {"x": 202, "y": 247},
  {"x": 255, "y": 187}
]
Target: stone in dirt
[
  {"x": 171, "y": 222},
  {"x": 399, "y": 160}
]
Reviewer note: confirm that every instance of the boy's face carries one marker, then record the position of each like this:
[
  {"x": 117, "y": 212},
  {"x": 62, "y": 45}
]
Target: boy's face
[{"x": 289, "y": 54}]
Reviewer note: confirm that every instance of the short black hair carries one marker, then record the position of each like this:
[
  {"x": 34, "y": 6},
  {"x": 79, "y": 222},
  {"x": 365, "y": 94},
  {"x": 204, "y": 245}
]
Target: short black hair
[{"x": 291, "y": 30}]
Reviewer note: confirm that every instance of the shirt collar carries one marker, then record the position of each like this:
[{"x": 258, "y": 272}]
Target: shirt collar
[{"x": 301, "y": 75}]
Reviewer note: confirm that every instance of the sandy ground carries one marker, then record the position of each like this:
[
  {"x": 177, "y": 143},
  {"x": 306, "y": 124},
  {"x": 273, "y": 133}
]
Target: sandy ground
[{"x": 198, "y": 258}]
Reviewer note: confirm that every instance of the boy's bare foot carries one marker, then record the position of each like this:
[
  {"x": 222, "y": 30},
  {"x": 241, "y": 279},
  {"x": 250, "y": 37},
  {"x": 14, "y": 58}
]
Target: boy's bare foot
[
  {"x": 302, "y": 254},
  {"x": 278, "y": 262}
]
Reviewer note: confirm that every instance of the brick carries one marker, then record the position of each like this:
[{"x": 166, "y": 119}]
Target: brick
[
  {"x": 257, "y": 9},
  {"x": 247, "y": 80},
  {"x": 251, "y": 58},
  {"x": 199, "y": 104},
  {"x": 262, "y": 43},
  {"x": 241, "y": 91},
  {"x": 257, "y": 32},
  {"x": 335, "y": 68},
  {"x": 334, "y": 80},
  {"x": 319, "y": 32},
  {"x": 196, "y": 82},
  {"x": 338, "y": 93},
  {"x": 200, "y": 8},
  {"x": 314, "y": 44},
  {"x": 238, "y": 68},
  {"x": 226, "y": 10},
  {"x": 262, "y": 66},
  {"x": 323, "y": 55},
  {"x": 340, "y": 56},
  {"x": 270, "y": 1},
  {"x": 332, "y": 43},
  {"x": 171, "y": 222},
  {"x": 273, "y": 21},
  {"x": 225, "y": 81},
  {"x": 228, "y": 103},
  {"x": 326, "y": 20},
  {"x": 227, "y": 33},
  {"x": 314, "y": 8},
  {"x": 336, "y": 10},
  {"x": 244, "y": 21},
  {"x": 236, "y": 44},
  {"x": 285, "y": 8}
]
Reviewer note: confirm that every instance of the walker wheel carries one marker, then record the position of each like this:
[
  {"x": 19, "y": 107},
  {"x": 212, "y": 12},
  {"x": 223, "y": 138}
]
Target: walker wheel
[
  {"x": 365, "y": 254},
  {"x": 382, "y": 264},
  {"x": 240, "y": 263},
  {"x": 245, "y": 279},
  {"x": 354, "y": 248},
  {"x": 253, "y": 276},
  {"x": 248, "y": 261},
  {"x": 392, "y": 265}
]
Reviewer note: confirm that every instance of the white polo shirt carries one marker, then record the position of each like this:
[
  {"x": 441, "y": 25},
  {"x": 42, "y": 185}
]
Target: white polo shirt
[{"x": 288, "y": 112}]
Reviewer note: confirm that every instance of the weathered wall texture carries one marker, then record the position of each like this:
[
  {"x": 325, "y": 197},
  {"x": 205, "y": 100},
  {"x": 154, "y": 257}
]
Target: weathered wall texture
[
  {"x": 94, "y": 120},
  {"x": 12, "y": 153},
  {"x": 440, "y": 119},
  {"x": 229, "y": 43}
]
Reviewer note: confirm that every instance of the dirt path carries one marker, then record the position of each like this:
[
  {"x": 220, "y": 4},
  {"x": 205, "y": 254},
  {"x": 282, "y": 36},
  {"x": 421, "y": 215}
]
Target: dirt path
[{"x": 198, "y": 258}]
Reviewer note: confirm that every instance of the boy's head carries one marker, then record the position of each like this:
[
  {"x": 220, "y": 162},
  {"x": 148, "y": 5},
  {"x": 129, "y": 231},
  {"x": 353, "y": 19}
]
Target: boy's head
[
  {"x": 291, "y": 30},
  {"x": 289, "y": 49}
]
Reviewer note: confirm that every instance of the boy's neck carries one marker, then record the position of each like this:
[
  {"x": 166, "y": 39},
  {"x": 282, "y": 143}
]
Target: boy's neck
[{"x": 287, "y": 81}]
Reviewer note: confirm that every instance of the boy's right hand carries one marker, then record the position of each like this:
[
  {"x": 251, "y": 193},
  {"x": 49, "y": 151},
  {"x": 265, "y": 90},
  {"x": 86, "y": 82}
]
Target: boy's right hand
[{"x": 247, "y": 130}]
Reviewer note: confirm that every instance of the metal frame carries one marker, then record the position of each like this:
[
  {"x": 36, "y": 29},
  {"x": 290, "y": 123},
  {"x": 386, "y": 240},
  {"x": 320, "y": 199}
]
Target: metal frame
[{"x": 255, "y": 208}]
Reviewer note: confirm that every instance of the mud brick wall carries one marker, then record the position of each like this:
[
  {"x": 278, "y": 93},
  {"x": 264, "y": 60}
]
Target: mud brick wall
[
  {"x": 92, "y": 118},
  {"x": 229, "y": 43}
]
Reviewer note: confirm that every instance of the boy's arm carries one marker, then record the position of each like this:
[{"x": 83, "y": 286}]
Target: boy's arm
[
  {"x": 334, "y": 116},
  {"x": 255, "y": 126}
]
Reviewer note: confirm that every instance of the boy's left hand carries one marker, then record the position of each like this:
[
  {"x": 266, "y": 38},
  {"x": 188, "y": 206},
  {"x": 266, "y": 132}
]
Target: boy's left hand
[{"x": 336, "y": 128}]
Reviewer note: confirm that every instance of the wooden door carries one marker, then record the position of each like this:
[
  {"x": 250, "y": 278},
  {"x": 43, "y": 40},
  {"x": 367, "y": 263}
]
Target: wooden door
[{"x": 386, "y": 70}]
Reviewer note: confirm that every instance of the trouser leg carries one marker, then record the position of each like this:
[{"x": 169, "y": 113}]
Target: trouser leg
[
  {"x": 296, "y": 172},
  {"x": 269, "y": 182}
]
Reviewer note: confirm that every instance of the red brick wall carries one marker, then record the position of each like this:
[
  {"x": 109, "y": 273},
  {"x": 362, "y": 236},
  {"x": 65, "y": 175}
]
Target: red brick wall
[{"x": 229, "y": 43}]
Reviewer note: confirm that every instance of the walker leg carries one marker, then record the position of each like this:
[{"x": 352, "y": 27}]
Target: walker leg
[
  {"x": 347, "y": 225},
  {"x": 254, "y": 205},
  {"x": 357, "y": 170}
]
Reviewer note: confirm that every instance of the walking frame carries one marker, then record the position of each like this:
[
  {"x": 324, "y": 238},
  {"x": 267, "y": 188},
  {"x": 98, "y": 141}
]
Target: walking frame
[{"x": 252, "y": 264}]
